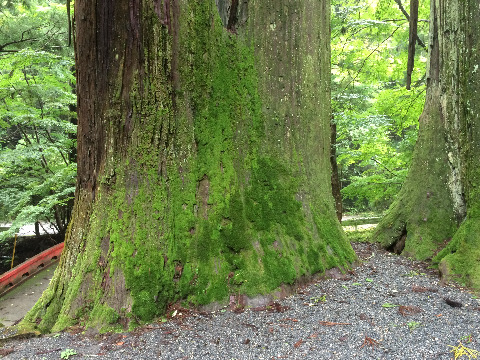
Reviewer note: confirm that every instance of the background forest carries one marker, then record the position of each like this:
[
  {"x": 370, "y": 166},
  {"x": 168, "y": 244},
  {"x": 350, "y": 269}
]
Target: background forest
[
  {"x": 37, "y": 116},
  {"x": 376, "y": 117}
]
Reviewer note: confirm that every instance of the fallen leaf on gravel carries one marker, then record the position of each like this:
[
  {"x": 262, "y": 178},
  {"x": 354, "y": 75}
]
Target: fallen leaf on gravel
[
  {"x": 329, "y": 323},
  {"x": 289, "y": 319},
  {"x": 388, "y": 305},
  {"x": 409, "y": 310},
  {"x": 369, "y": 341},
  {"x": 298, "y": 343},
  {"x": 247, "y": 341},
  {"x": 461, "y": 350},
  {"x": 239, "y": 309},
  {"x": 421, "y": 289},
  {"x": 271, "y": 307},
  {"x": 120, "y": 343},
  {"x": 43, "y": 352},
  {"x": 276, "y": 307},
  {"x": 364, "y": 317},
  {"x": 251, "y": 326},
  {"x": 6, "y": 351}
]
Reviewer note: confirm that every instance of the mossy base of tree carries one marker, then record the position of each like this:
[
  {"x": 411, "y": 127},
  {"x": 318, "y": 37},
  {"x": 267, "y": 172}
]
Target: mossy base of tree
[
  {"x": 119, "y": 280},
  {"x": 459, "y": 261},
  {"x": 422, "y": 218}
]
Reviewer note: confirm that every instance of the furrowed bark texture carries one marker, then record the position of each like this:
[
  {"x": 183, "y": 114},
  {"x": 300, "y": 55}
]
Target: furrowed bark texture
[
  {"x": 203, "y": 158},
  {"x": 460, "y": 260},
  {"x": 441, "y": 191}
]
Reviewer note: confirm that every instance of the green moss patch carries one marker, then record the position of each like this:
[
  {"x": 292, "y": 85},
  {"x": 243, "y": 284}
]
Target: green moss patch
[{"x": 459, "y": 261}]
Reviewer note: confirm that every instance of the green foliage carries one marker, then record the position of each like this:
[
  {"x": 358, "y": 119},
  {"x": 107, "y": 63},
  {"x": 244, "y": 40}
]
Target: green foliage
[
  {"x": 37, "y": 120},
  {"x": 65, "y": 354},
  {"x": 412, "y": 325},
  {"x": 459, "y": 259},
  {"x": 362, "y": 235},
  {"x": 388, "y": 305},
  {"x": 467, "y": 338},
  {"x": 317, "y": 300},
  {"x": 376, "y": 117},
  {"x": 36, "y": 24}
]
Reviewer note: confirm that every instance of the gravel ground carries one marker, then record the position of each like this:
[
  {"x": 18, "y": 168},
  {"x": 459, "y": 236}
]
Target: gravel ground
[{"x": 387, "y": 308}]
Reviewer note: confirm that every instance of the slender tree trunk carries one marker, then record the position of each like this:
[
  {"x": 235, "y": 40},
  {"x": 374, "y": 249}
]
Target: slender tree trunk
[
  {"x": 441, "y": 190},
  {"x": 412, "y": 39},
  {"x": 203, "y": 158},
  {"x": 336, "y": 186},
  {"x": 37, "y": 229}
]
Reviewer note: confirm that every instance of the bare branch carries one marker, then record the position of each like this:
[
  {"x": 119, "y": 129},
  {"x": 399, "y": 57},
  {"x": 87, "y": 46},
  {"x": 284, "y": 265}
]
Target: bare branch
[
  {"x": 22, "y": 40},
  {"x": 401, "y": 20},
  {"x": 69, "y": 24},
  {"x": 404, "y": 12},
  {"x": 411, "y": 40}
]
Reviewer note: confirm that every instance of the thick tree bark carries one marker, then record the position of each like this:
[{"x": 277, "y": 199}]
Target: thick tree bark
[
  {"x": 441, "y": 191},
  {"x": 203, "y": 158}
]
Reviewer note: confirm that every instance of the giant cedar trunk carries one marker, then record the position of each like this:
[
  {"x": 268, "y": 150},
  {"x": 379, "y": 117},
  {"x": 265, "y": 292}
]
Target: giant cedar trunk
[
  {"x": 441, "y": 192},
  {"x": 203, "y": 157}
]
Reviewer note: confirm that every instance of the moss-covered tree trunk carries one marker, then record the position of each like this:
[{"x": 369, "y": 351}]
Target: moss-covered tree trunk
[
  {"x": 440, "y": 202},
  {"x": 203, "y": 158}
]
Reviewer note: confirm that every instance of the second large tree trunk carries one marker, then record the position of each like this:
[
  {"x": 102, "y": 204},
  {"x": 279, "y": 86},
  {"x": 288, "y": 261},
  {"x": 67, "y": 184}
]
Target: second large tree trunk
[
  {"x": 441, "y": 192},
  {"x": 203, "y": 158}
]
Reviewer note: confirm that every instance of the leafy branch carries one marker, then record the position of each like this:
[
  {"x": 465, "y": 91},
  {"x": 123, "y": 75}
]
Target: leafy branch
[{"x": 365, "y": 60}]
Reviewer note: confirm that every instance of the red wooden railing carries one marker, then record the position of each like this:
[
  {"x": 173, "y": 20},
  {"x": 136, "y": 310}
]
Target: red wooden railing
[{"x": 28, "y": 268}]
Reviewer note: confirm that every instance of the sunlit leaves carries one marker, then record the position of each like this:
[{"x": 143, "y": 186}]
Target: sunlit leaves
[{"x": 377, "y": 119}]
